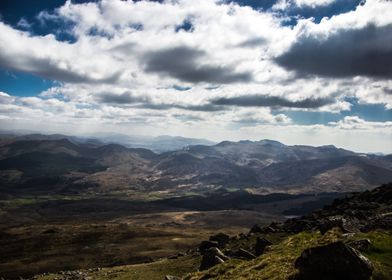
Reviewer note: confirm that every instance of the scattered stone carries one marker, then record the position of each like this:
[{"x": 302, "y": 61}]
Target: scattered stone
[
  {"x": 346, "y": 225},
  {"x": 333, "y": 261},
  {"x": 261, "y": 244},
  {"x": 212, "y": 257},
  {"x": 362, "y": 245},
  {"x": 273, "y": 227}
]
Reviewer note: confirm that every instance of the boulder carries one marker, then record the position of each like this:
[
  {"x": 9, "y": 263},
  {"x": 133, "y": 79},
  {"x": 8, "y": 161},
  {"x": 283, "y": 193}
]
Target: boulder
[
  {"x": 205, "y": 245},
  {"x": 221, "y": 238},
  {"x": 333, "y": 261},
  {"x": 261, "y": 244},
  {"x": 212, "y": 257}
]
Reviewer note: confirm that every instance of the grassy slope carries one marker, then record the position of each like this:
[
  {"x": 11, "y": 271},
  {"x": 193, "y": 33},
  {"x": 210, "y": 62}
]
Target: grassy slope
[
  {"x": 275, "y": 264},
  {"x": 151, "y": 271}
]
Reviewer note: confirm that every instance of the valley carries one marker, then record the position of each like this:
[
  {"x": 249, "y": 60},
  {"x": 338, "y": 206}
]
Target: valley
[{"x": 45, "y": 234}]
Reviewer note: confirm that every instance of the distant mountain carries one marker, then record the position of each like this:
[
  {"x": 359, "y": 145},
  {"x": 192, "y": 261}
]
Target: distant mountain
[
  {"x": 72, "y": 164},
  {"x": 157, "y": 144},
  {"x": 275, "y": 167}
]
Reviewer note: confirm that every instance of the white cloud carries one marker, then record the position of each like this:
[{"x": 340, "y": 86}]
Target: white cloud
[
  {"x": 111, "y": 59},
  {"x": 356, "y": 123},
  {"x": 313, "y": 3},
  {"x": 286, "y": 4}
]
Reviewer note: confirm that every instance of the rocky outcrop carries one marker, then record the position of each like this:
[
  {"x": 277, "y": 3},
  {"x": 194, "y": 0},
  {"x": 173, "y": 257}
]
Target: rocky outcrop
[
  {"x": 333, "y": 262},
  {"x": 360, "y": 212}
]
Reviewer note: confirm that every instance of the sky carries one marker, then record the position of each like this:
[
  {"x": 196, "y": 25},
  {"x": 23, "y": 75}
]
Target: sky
[{"x": 312, "y": 72}]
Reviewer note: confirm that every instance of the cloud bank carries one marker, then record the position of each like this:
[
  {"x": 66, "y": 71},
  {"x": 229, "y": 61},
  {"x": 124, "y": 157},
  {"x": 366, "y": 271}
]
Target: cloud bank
[{"x": 208, "y": 67}]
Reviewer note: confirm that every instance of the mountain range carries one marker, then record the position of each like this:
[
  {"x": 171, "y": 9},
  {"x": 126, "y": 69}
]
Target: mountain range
[{"x": 66, "y": 164}]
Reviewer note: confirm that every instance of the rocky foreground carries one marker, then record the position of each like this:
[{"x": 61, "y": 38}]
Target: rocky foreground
[{"x": 350, "y": 239}]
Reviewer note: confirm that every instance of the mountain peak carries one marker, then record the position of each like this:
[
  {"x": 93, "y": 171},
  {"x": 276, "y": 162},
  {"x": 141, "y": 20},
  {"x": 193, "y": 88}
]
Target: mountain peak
[{"x": 271, "y": 142}]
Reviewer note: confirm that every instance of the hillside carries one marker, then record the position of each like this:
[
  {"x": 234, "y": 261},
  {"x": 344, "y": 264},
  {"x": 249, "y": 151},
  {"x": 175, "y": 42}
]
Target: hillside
[{"x": 368, "y": 237}]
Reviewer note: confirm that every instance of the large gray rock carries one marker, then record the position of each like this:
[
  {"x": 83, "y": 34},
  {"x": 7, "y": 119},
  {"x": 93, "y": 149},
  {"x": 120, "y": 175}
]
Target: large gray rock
[{"x": 335, "y": 261}]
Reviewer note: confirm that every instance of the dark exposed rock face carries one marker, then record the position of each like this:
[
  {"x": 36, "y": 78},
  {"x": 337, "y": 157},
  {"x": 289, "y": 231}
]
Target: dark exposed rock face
[
  {"x": 333, "y": 261},
  {"x": 261, "y": 244},
  {"x": 212, "y": 257}
]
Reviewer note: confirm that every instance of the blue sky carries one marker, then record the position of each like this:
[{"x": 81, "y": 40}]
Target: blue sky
[{"x": 298, "y": 71}]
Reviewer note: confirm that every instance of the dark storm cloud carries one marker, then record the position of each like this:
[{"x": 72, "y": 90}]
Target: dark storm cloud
[
  {"x": 387, "y": 90},
  {"x": 347, "y": 53},
  {"x": 121, "y": 99},
  {"x": 251, "y": 43},
  {"x": 202, "y": 108},
  {"x": 186, "y": 64},
  {"x": 144, "y": 102},
  {"x": 219, "y": 104},
  {"x": 271, "y": 101},
  {"x": 45, "y": 68}
]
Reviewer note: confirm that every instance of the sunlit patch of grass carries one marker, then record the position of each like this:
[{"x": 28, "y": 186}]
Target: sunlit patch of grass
[
  {"x": 278, "y": 262},
  {"x": 380, "y": 253},
  {"x": 148, "y": 271}
]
